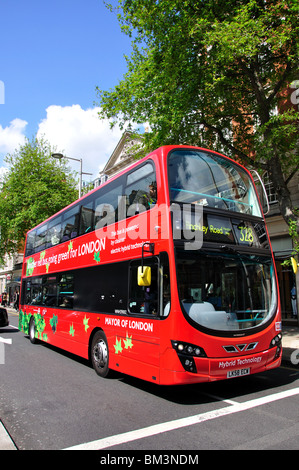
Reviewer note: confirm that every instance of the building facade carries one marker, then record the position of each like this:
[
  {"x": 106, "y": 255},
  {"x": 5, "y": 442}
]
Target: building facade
[
  {"x": 282, "y": 246},
  {"x": 10, "y": 277},
  {"x": 122, "y": 156}
]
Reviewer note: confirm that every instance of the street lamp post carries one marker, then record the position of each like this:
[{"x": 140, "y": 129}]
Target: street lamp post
[{"x": 59, "y": 156}]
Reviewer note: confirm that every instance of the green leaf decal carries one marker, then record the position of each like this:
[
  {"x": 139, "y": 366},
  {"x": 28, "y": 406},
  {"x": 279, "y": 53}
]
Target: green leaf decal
[{"x": 97, "y": 257}]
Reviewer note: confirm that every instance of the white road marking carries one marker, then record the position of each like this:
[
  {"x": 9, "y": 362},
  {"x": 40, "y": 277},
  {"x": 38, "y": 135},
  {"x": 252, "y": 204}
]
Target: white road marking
[
  {"x": 6, "y": 341},
  {"x": 225, "y": 400},
  {"x": 180, "y": 423}
]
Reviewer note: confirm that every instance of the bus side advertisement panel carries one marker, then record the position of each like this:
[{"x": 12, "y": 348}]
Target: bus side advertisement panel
[
  {"x": 127, "y": 335},
  {"x": 106, "y": 245},
  {"x": 133, "y": 345},
  {"x": 61, "y": 328}
]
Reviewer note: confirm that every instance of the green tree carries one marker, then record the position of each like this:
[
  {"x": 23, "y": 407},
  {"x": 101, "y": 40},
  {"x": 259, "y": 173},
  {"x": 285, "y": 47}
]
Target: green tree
[
  {"x": 34, "y": 188},
  {"x": 214, "y": 73}
]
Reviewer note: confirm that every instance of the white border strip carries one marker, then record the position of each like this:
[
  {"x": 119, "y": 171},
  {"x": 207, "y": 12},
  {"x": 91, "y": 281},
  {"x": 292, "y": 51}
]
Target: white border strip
[
  {"x": 6, "y": 442},
  {"x": 180, "y": 423}
]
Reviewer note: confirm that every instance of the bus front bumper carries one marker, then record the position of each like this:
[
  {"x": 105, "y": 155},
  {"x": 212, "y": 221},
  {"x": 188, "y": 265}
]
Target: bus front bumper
[{"x": 212, "y": 369}]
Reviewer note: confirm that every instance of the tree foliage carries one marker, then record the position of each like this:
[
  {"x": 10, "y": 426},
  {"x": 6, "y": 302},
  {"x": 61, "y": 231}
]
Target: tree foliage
[
  {"x": 34, "y": 188},
  {"x": 214, "y": 73}
]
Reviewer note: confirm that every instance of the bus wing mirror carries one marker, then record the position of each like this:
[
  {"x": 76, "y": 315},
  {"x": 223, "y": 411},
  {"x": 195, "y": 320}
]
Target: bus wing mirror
[
  {"x": 144, "y": 276},
  {"x": 294, "y": 265}
]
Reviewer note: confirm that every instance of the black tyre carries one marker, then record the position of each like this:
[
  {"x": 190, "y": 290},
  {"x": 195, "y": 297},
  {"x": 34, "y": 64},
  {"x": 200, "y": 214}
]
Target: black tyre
[
  {"x": 32, "y": 331},
  {"x": 100, "y": 354}
]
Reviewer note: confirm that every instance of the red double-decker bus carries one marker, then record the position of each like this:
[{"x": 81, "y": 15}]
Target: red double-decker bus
[{"x": 165, "y": 273}]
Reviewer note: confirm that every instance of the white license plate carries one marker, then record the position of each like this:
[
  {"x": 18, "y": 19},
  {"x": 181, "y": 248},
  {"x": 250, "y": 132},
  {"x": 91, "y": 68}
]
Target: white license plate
[{"x": 238, "y": 373}]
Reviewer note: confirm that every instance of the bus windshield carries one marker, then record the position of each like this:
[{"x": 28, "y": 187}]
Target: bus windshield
[
  {"x": 207, "y": 179},
  {"x": 224, "y": 292}
]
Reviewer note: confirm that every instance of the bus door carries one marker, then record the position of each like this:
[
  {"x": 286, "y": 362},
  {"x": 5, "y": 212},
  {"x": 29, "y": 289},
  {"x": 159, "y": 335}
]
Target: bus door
[{"x": 138, "y": 345}]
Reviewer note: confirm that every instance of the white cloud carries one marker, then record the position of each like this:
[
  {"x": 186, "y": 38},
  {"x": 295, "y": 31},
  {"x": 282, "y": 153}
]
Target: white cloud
[
  {"x": 12, "y": 136},
  {"x": 3, "y": 171},
  {"x": 79, "y": 133}
]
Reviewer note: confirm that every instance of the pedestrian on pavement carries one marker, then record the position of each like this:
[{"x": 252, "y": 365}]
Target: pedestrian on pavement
[
  {"x": 4, "y": 299},
  {"x": 294, "y": 301},
  {"x": 16, "y": 300}
]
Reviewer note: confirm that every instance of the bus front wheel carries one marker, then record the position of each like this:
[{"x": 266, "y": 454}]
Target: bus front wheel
[{"x": 100, "y": 354}]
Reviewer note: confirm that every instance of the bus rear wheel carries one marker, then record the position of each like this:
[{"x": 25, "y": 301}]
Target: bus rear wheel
[
  {"x": 100, "y": 354},
  {"x": 32, "y": 331}
]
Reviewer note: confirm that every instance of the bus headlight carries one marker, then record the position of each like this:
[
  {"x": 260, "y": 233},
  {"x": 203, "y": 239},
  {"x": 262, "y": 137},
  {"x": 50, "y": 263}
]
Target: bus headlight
[
  {"x": 186, "y": 353},
  {"x": 276, "y": 342}
]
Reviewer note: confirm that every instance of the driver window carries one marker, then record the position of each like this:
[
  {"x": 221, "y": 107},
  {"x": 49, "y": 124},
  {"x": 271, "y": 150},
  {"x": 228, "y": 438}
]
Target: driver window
[
  {"x": 153, "y": 299},
  {"x": 144, "y": 299}
]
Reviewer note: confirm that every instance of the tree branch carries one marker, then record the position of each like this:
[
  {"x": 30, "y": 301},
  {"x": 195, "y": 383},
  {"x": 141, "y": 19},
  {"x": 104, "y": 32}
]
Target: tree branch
[
  {"x": 263, "y": 106},
  {"x": 279, "y": 84},
  {"x": 243, "y": 156}
]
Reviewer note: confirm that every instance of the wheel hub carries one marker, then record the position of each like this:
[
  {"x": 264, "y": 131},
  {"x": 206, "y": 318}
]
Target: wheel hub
[{"x": 100, "y": 354}]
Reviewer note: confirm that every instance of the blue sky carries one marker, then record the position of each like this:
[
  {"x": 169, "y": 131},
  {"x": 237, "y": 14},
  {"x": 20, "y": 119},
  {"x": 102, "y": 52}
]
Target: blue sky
[{"x": 53, "y": 55}]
